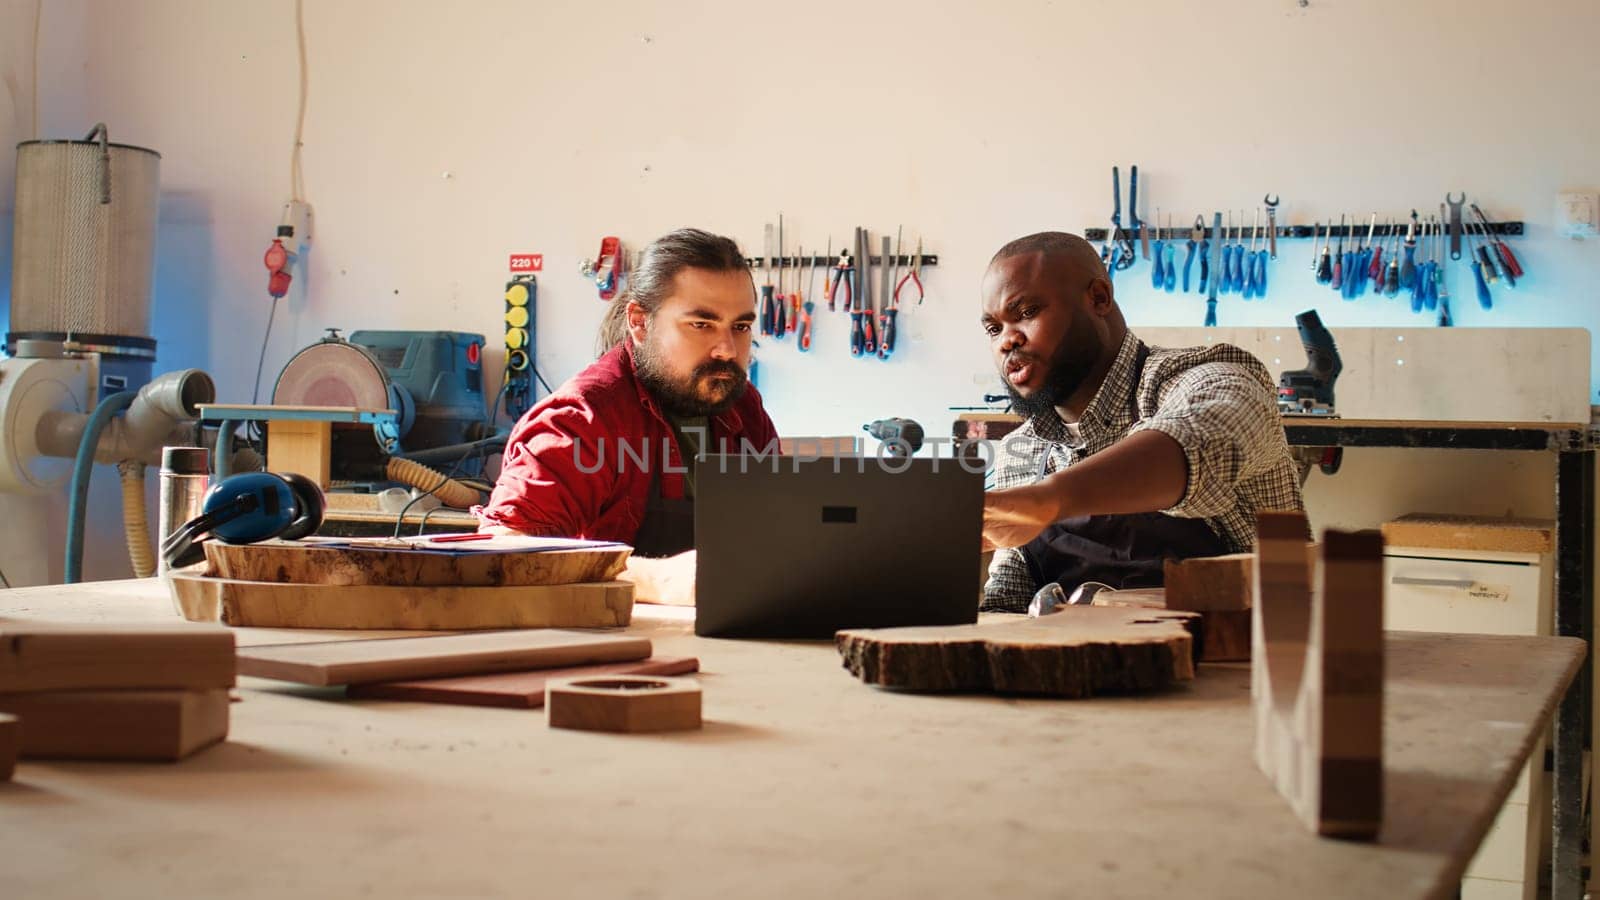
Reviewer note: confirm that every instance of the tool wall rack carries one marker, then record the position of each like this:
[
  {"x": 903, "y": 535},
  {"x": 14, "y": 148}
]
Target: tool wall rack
[
  {"x": 794, "y": 262},
  {"x": 1287, "y": 232}
]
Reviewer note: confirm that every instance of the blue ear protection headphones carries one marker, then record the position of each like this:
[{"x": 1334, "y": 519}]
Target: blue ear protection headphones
[{"x": 246, "y": 508}]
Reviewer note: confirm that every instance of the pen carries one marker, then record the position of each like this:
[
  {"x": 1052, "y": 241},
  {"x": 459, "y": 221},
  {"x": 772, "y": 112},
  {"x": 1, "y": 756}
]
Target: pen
[{"x": 465, "y": 536}]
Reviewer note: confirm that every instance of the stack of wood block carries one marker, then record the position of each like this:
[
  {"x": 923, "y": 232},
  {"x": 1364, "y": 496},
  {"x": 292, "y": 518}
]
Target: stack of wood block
[
  {"x": 121, "y": 692},
  {"x": 1219, "y": 588}
]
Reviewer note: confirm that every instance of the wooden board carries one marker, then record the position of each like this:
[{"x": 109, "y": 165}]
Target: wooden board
[
  {"x": 1486, "y": 533},
  {"x": 515, "y": 690},
  {"x": 308, "y": 563},
  {"x": 10, "y": 743},
  {"x": 260, "y": 604},
  {"x": 298, "y": 445},
  {"x": 1077, "y": 652},
  {"x": 1210, "y": 582},
  {"x": 1317, "y": 675},
  {"x": 628, "y": 704},
  {"x": 1224, "y": 634},
  {"x": 35, "y": 656},
  {"x": 362, "y": 662},
  {"x": 123, "y": 725}
]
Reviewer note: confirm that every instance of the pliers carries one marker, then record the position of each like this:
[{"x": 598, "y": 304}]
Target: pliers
[{"x": 844, "y": 274}]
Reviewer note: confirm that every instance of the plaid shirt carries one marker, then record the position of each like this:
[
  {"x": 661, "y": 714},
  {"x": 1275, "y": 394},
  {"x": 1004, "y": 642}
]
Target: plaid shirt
[{"x": 1217, "y": 402}]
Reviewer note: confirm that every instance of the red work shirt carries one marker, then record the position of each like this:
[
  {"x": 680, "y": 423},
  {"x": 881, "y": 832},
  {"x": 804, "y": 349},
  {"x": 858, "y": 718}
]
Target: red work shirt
[{"x": 579, "y": 464}]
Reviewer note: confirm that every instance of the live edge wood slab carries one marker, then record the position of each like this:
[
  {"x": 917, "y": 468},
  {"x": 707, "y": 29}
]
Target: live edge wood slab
[
  {"x": 310, "y": 563},
  {"x": 1077, "y": 652}
]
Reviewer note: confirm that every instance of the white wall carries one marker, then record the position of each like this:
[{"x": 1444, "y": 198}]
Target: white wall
[{"x": 439, "y": 138}]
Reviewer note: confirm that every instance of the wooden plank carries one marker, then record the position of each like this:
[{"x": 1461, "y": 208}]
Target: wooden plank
[
  {"x": 314, "y": 563},
  {"x": 628, "y": 704},
  {"x": 363, "y": 662},
  {"x": 1317, "y": 675},
  {"x": 1224, "y": 634},
  {"x": 1208, "y": 583},
  {"x": 1487, "y": 533},
  {"x": 264, "y": 604},
  {"x": 516, "y": 690},
  {"x": 306, "y": 447},
  {"x": 10, "y": 744},
  {"x": 36, "y": 656},
  {"x": 1080, "y": 651},
  {"x": 122, "y": 725}
]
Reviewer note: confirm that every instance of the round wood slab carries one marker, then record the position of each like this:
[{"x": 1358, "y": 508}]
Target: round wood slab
[
  {"x": 308, "y": 563},
  {"x": 1080, "y": 651}
]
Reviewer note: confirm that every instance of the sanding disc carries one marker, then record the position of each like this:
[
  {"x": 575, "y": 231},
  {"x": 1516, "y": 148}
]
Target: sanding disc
[{"x": 333, "y": 373}]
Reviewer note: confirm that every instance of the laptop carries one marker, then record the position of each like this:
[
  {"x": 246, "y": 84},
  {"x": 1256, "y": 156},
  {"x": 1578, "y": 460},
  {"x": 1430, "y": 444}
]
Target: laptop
[{"x": 797, "y": 547}]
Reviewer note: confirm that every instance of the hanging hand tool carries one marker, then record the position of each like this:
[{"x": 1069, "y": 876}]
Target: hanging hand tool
[
  {"x": 1491, "y": 263},
  {"x": 1261, "y": 261},
  {"x": 1419, "y": 287},
  {"x": 1455, "y": 223},
  {"x": 1408, "y": 264},
  {"x": 1347, "y": 288},
  {"x": 891, "y": 298},
  {"x": 1375, "y": 266},
  {"x": 827, "y": 279},
  {"x": 885, "y": 291},
  {"x": 1338, "y": 259},
  {"x": 1158, "y": 275},
  {"x": 768, "y": 313},
  {"x": 1364, "y": 258},
  {"x": 1271, "y": 200},
  {"x": 1120, "y": 255},
  {"x": 844, "y": 273},
  {"x": 1216, "y": 268},
  {"x": 1439, "y": 288},
  {"x": 1205, "y": 251},
  {"x": 1224, "y": 284},
  {"x": 1172, "y": 252},
  {"x": 1235, "y": 259},
  {"x": 858, "y": 335},
  {"x": 1322, "y": 264},
  {"x": 780, "y": 315},
  {"x": 1249, "y": 265},
  {"x": 1196, "y": 236},
  {"x": 1391, "y": 275},
  {"x": 806, "y": 308},
  {"x": 1479, "y": 274},
  {"x": 1513, "y": 268},
  {"x": 913, "y": 275},
  {"x": 869, "y": 306},
  {"x": 1133, "y": 212}
]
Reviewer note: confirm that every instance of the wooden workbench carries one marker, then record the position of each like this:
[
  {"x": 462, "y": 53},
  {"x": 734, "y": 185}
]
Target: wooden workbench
[{"x": 804, "y": 782}]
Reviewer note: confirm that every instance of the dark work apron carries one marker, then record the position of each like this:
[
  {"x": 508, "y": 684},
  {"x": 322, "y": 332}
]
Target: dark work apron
[
  {"x": 668, "y": 526},
  {"x": 1125, "y": 551}
]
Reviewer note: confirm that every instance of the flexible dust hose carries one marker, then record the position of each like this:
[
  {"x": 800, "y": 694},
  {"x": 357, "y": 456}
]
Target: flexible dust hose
[
  {"x": 134, "y": 520},
  {"x": 82, "y": 467},
  {"x": 449, "y": 491}
]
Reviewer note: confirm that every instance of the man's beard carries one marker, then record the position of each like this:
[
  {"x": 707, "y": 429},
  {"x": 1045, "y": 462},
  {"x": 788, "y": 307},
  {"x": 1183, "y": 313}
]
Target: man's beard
[
  {"x": 683, "y": 397},
  {"x": 1068, "y": 368}
]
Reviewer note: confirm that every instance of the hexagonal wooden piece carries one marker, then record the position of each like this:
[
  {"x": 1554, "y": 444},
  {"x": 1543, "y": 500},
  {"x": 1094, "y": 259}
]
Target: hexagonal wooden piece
[{"x": 631, "y": 704}]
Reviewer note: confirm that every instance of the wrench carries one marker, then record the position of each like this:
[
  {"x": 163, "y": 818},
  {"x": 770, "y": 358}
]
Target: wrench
[
  {"x": 1271, "y": 200},
  {"x": 1455, "y": 223}
]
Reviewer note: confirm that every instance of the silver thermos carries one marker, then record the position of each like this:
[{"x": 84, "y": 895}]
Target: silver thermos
[{"x": 185, "y": 476}]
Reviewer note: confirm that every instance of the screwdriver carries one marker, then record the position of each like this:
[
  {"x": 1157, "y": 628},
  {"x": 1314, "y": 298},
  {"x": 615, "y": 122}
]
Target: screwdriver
[
  {"x": 1261, "y": 266},
  {"x": 1224, "y": 281},
  {"x": 1195, "y": 236},
  {"x": 1324, "y": 265},
  {"x": 1217, "y": 244},
  {"x": 1439, "y": 288},
  {"x": 1375, "y": 268},
  {"x": 1364, "y": 273},
  {"x": 804, "y": 337},
  {"x": 780, "y": 318},
  {"x": 1512, "y": 266},
  {"x": 1503, "y": 270},
  {"x": 1236, "y": 267},
  {"x": 766, "y": 289},
  {"x": 1391, "y": 276},
  {"x": 1484, "y": 299},
  {"x": 1352, "y": 258},
  {"x": 1157, "y": 275},
  {"x": 1491, "y": 265},
  {"x": 1408, "y": 266},
  {"x": 1205, "y": 251},
  {"x": 1250, "y": 257},
  {"x": 1172, "y": 253},
  {"x": 1338, "y": 259}
]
